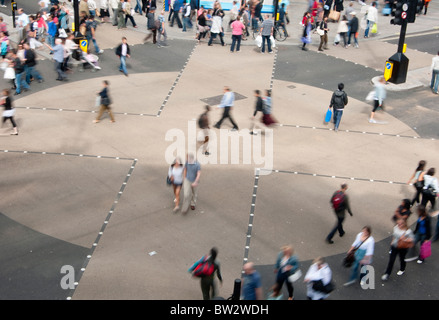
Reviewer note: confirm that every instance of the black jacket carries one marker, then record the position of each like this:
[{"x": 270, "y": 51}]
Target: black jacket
[
  {"x": 339, "y": 100},
  {"x": 259, "y": 106},
  {"x": 30, "y": 58},
  {"x": 353, "y": 24},
  {"x": 119, "y": 50}
]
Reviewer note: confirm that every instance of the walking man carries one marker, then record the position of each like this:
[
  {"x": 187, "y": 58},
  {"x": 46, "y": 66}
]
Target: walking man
[
  {"x": 252, "y": 285},
  {"x": 338, "y": 101},
  {"x": 203, "y": 124},
  {"x": 30, "y": 63},
  {"x": 227, "y": 104},
  {"x": 435, "y": 73},
  {"x": 258, "y": 108},
  {"x": 152, "y": 27},
  {"x": 123, "y": 52},
  {"x": 191, "y": 174},
  {"x": 90, "y": 33},
  {"x": 58, "y": 57},
  {"x": 340, "y": 203}
]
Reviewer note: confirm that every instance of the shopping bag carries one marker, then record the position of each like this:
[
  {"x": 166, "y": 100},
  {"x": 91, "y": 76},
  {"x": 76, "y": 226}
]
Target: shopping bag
[
  {"x": 334, "y": 15},
  {"x": 425, "y": 250},
  {"x": 258, "y": 41},
  {"x": 328, "y": 116},
  {"x": 374, "y": 28},
  {"x": 273, "y": 43},
  {"x": 370, "y": 96},
  {"x": 98, "y": 101}
]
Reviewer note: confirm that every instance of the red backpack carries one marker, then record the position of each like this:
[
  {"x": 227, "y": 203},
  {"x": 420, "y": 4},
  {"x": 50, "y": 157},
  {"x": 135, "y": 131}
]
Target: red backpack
[
  {"x": 205, "y": 268},
  {"x": 338, "y": 200}
]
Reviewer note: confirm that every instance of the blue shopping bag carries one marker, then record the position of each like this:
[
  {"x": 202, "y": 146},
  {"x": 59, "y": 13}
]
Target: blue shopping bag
[{"x": 328, "y": 116}]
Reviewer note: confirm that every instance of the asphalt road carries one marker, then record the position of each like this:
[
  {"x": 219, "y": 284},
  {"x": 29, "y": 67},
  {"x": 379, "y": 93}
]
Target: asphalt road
[{"x": 425, "y": 41}]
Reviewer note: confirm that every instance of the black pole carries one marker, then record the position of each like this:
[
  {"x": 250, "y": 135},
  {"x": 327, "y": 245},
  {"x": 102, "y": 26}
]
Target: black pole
[
  {"x": 402, "y": 35},
  {"x": 276, "y": 9},
  {"x": 13, "y": 7},
  {"x": 76, "y": 11}
]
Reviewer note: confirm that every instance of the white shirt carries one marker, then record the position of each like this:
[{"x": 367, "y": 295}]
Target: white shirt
[
  {"x": 216, "y": 24},
  {"x": 314, "y": 274},
  {"x": 124, "y": 49},
  {"x": 368, "y": 245},
  {"x": 227, "y": 100},
  {"x": 435, "y": 63},
  {"x": 114, "y": 3},
  {"x": 372, "y": 14},
  {"x": 91, "y": 5},
  {"x": 430, "y": 180}
]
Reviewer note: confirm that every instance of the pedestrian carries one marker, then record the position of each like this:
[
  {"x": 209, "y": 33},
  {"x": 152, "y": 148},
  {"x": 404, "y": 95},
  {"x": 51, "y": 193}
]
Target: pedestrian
[
  {"x": 435, "y": 74},
  {"x": 151, "y": 25},
  {"x": 104, "y": 10},
  {"x": 259, "y": 107},
  {"x": 83, "y": 7},
  {"x": 403, "y": 211},
  {"x": 266, "y": 33},
  {"x": 175, "y": 175},
  {"x": 148, "y": 4},
  {"x": 105, "y": 102},
  {"x": 324, "y": 36},
  {"x": 121, "y": 23},
  {"x": 208, "y": 286},
  {"x": 161, "y": 31},
  {"x": 204, "y": 125},
  {"x": 363, "y": 247},
  {"x": 281, "y": 21},
  {"x": 30, "y": 63},
  {"x": 9, "y": 111},
  {"x": 20, "y": 76},
  {"x": 138, "y": 7},
  {"x": 267, "y": 119},
  {"x": 426, "y": 3},
  {"x": 186, "y": 15},
  {"x": 286, "y": 265},
  {"x": 422, "y": 233},
  {"x": 338, "y": 101},
  {"x": 114, "y": 4},
  {"x": 252, "y": 285},
  {"x": 372, "y": 18},
  {"x": 217, "y": 28},
  {"x": 342, "y": 31},
  {"x": 128, "y": 15},
  {"x": 177, "y": 8},
  {"x": 22, "y": 24},
  {"x": 5, "y": 47},
  {"x": 431, "y": 188},
  {"x": 90, "y": 33},
  {"x": 58, "y": 57},
  {"x": 52, "y": 29},
  {"x": 191, "y": 174},
  {"x": 9, "y": 74},
  {"x": 340, "y": 203},
  {"x": 123, "y": 52},
  {"x": 418, "y": 178},
  {"x": 353, "y": 25},
  {"x": 92, "y": 8},
  {"x": 306, "y": 35},
  {"x": 318, "y": 272},
  {"x": 226, "y": 104},
  {"x": 379, "y": 96},
  {"x": 404, "y": 233},
  {"x": 202, "y": 26},
  {"x": 237, "y": 30}
]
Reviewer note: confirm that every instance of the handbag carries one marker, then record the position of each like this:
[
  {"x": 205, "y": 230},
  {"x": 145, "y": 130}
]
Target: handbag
[
  {"x": 429, "y": 192},
  {"x": 168, "y": 181},
  {"x": 328, "y": 116},
  {"x": 295, "y": 276},
  {"x": 425, "y": 250},
  {"x": 320, "y": 31},
  {"x": 350, "y": 256},
  {"x": 404, "y": 242},
  {"x": 319, "y": 286},
  {"x": 419, "y": 184},
  {"x": 106, "y": 101}
]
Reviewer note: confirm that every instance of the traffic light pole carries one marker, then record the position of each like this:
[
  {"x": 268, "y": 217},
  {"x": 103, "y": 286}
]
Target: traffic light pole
[
  {"x": 399, "y": 60},
  {"x": 402, "y": 36}
]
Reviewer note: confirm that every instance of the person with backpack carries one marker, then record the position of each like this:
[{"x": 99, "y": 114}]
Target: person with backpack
[
  {"x": 340, "y": 203},
  {"x": 205, "y": 269},
  {"x": 338, "y": 101},
  {"x": 90, "y": 33}
]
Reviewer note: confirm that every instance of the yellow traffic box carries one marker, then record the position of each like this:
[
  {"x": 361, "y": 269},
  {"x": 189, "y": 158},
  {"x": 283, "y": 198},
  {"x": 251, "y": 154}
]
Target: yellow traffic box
[
  {"x": 83, "y": 44},
  {"x": 388, "y": 70}
]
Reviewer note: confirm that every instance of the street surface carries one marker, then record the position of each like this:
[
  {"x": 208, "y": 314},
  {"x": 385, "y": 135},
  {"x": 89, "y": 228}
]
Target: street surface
[{"x": 93, "y": 197}]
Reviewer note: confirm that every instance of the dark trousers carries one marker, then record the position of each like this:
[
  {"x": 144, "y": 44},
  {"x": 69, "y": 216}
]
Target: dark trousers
[
  {"x": 226, "y": 114},
  {"x": 266, "y": 39},
  {"x": 427, "y": 198},
  {"x": 283, "y": 277},
  {"x": 236, "y": 39},
  {"x": 323, "y": 41},
  {"x": 213, "y": 36},
  {"x": 338, "y": 227},
  {"x": 10, "y": 119},
  {"x": 176, "y": 16},
  {"x": 417, "y": 196},
  {"x": 393, "y": 253},
  {"x": 208, "y": 288},
  {"x": 128, "y": 16}
]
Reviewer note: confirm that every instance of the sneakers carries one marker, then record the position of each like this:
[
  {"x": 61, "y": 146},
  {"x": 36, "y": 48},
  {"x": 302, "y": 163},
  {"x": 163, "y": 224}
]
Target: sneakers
[
  {"x": 347, "y": 284},
  {"x": 400, "y": 273},
  {"x": 101, "y": 51},
  {"x": 385, "y": 277},
  {"x": 372, "y": 121},
  {"x": 420, "y": 261}
]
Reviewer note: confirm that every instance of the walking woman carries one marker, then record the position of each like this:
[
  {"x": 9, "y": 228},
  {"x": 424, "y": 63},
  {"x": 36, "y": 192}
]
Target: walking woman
[
  {"x": 418, "y": 178},
  {"x": 363, "y": 246},
  {"x": 267, "y": 118},
  {"x": 319, "y": 271},
  {"x": 306, "y": 36},
  {"x": 105, "y": 103},
  {"x": 430, "y": 189},
  {"x": 286, "y": 264},
  {"x": 9, "y": 112},
  {"x": 175, "y": 174},
  {"x": 422, "y": 229},
  {"x": 401, "y": 234}
]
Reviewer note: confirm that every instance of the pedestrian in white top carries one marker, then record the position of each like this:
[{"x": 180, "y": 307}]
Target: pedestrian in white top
[
  {"x": 380, "y": 95},
  {"x": 372, "y": 18},
  {"x": 435, "y": 74},
  {"x": 318, "y": 271}
]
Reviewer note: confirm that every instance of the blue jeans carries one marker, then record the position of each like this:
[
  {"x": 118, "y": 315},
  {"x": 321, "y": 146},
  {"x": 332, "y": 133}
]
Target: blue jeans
[
  {"x": 186, "y": 23},
  {"x": 90, "y": 39},
  {"x": 31, "y": 71},
  {"x": 123, "y": 64},
  {"x": 349, "y": 37},
  {"x": 434, "y": 80},
  {"x": 138, "y": 6},
  {"x": 366, "y": 32},
  {"x": 359, "y": 255},
  {"x": 337, "y": 117},
  {"x": 266, "y": 38},
  {"x": 236, "y": 39},
  {"x": 20, "y": 81}
]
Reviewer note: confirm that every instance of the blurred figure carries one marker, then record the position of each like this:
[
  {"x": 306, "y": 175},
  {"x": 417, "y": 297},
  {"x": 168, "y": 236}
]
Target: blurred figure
[
  {"x": 418, "y": 178},
  {"x": 380, "y": 95},
  {"x": 9, "y": 111},
  {"x": 286, "y": 264},
  {"x": 175, "y": 174},
  {"x": 400, "y": 231},
  {"x": 363, "y": 246},
  {"x": 403, "y": 211},
  {"x": 191, "y": 174},
  {"x": 319, "y": 271},
  {"x": 431, "y": 188},
  {"x": 435, "y": 73},
  {"x": 207, "y": 282},
  {"x": 340, "y": 203},
  {"x": 252, "y": 286},
  {"x": 204, "y": 125},
  {"x": 105, "y": 102}
]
